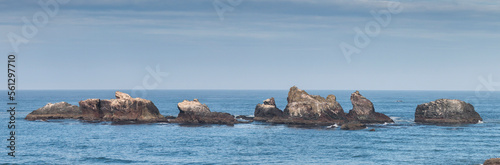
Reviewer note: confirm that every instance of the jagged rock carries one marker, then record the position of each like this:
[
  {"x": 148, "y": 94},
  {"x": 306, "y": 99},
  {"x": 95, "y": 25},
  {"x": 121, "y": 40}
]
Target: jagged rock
[
  {"x": 121, "y": 95},
  {"x": 353, "y": 125},
  {"x": 364, "y": 112},
  {"x": 494, "y": 161},
  {"x": 267, "y": 111},
  {"x": 61, "y": 110},
  {"x": 303, "y": 108},
  {"x": 193, "y": 112},
  {"x": 122, "y": 109},
  {"x": 446, "y": 111}
]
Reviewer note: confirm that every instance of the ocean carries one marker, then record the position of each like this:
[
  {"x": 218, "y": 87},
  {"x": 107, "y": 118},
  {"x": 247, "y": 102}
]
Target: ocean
[{"x": 404, "y": 142}]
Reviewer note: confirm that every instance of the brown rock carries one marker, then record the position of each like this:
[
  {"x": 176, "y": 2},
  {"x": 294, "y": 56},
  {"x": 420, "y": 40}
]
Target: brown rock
[
  {"x": 267, "y": 111},
  {"x": 494, "y": 161},
  {"x": 91, "y": 109},
  {"x": 192, "y": 106},
  {"x": 123, "y": 108},
  {"x": 306, "y": 109},
  {"x": 61, "y": 110},
  {"x": 193, "y": 112},
  {"x": 364, "y": 111},
  {"x": 121, "y": 95},
  {"x": 205, "y": 118},
  {"x": 446, "y": 111}
]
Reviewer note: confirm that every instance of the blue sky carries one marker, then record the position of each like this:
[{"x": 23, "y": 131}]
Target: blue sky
[{"x": 108, "y": 44}]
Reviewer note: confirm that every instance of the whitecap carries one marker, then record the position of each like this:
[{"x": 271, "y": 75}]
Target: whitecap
[{"x": 480, "y": 122}]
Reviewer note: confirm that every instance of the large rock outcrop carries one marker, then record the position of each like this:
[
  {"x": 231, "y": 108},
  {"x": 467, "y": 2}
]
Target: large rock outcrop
[
  {"x": 303, "y": 108},
  {"x": 193, "y": 112},
  {"x": 267, "y": 111},
  {"x": 61, "y": 110},
  {"x": 122, "y": 109},
  {"x": 446, "y": 111},
  {"x": 494, "y": 161},
  {"x": 364, "y": 111}
]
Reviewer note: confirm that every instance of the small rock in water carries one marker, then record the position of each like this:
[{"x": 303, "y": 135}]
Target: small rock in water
[
  {"x": 353, "y": 126},
  {"x": 446, "y": 111},
  {"x": 193, "y": 112},
  {"x": 364, "y": 111},
  {"x": 267, "y": 111}
]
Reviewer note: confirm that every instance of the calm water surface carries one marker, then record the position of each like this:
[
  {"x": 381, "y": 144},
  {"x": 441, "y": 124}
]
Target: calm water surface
[{"x": 75, "y": 142}]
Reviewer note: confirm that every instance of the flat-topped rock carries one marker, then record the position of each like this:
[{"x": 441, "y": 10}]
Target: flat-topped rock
[
  {"x": 267, "y": 110},
  {"x": 61, "y": 110},
  {"x": 123, "y": 108},
  {"x": 193, "y": 112},
  {"x": 305, "y": 108},
  {"x": 446, "y": 111},
  {"x": 364, "y": 111}
]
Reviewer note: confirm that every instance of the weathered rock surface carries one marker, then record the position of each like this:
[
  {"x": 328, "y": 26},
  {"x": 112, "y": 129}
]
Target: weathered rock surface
[
  {"x": 446, "y": 111},
  {"x": 494, "y": 161},
  {"x": 267, "y": 111},
  {"x": 364, "y": 111},
  {"x": 193, "y": 112},
  {"x": 192, "y": 106},
  {"x": 303, "y": 108},
  {"x": 61, "y": 110},
  {"x": 122, "y": 109},
  {"x": 353, "y": 125}
]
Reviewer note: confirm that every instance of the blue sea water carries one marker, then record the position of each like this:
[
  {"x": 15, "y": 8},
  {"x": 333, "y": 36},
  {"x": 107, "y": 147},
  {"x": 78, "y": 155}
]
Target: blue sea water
[{"x": 405, "y": 142}]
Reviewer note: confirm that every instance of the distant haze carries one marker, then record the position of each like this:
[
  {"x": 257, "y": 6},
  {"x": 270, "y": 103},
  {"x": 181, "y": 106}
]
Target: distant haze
[{"x": 108, "y": 44}]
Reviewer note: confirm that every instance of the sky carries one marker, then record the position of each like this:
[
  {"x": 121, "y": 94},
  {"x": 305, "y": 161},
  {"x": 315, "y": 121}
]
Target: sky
[{"x": 252, "y": 44}]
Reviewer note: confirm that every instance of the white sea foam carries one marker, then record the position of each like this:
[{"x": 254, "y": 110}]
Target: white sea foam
[
  {"x": 395, "y": 118},
  {"x": 333, "y": 126},
  {"x": 399, "y": 120},
  {"x": 480, "y": 122}
]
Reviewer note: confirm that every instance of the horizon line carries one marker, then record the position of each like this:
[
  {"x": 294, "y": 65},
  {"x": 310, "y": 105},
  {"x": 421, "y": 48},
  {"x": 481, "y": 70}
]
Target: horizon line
[{"x": 457, "y": 90}]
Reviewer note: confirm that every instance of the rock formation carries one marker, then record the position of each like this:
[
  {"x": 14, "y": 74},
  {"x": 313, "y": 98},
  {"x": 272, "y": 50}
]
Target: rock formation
[
  {"x": 61, "y": 110},
  {"x": 494, "y": 161},
  {"x": 353, "y": 125},
  {"x": 193, "y": 112},
  {"x": 267, "y": 111},
  {"x": 364, "y": 112},
  {"x": 303, "y": 108},
  {"x": 122, "y": 109},
  {"x": 446, "y": 111}
]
